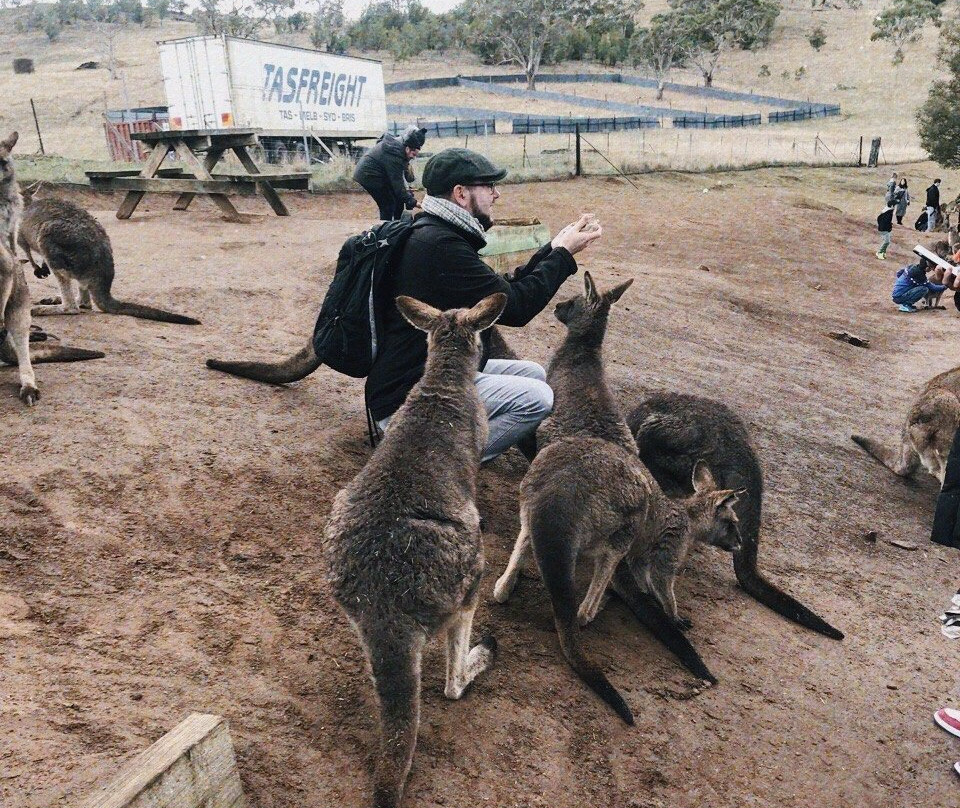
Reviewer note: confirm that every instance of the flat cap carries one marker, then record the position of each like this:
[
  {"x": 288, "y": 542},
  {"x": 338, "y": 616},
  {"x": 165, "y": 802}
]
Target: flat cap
[{"x": 459, "y": 167}]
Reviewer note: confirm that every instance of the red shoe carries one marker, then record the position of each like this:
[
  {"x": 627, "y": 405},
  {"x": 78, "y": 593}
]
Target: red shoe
[{"x": 948, "y": 719}]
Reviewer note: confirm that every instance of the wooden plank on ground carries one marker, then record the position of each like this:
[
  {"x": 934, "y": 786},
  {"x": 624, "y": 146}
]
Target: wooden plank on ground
[{"x": 192, "y": 766}]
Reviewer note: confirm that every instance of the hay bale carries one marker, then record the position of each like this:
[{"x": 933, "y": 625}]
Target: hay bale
[{"x": 23, "y": 65}]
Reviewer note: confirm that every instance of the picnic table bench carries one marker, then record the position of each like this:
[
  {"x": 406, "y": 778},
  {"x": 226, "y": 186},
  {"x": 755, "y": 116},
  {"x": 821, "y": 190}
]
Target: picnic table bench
[{"x": 198, "y": 176}]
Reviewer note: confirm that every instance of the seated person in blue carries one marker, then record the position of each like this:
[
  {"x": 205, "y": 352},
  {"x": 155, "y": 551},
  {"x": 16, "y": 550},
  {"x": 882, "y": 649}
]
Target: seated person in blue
[{"x": 912, "y": 286}]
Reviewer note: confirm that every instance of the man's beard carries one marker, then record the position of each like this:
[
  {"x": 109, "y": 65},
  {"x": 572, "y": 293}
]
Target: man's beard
[{"x": 485, "y": 221}]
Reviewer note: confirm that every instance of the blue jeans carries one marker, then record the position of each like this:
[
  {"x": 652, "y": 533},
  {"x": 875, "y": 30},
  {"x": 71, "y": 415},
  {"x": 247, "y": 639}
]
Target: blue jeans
[
  {"x": 516, "y": 396},
  {"x": 911, "y": 296},
  {"x": 931, "y": 219}
]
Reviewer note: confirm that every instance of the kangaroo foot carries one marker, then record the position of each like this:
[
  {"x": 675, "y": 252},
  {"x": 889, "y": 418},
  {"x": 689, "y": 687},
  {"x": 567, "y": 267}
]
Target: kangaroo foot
[
  {"x": 50, "y": 301},
  {"x": 478, "y": 660},
  {"x": 42, "y": 271},
  {"x": 37, "y": 334},
  {"x": 47, "y": 311},
  {"x": 29, "y": 395}
]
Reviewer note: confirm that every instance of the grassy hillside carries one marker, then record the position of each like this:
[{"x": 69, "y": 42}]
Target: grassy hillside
[{"x": 877, "y": 98}]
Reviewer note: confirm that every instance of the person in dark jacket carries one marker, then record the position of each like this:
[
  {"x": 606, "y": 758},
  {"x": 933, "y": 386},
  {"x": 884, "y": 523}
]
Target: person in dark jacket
[
  {"x": 912, "y": 286},
  {"x": 383, "y": 169},
  {"x": 440, "y": 265},
  {"x": 885, "y": 226},
  {"x": 946, "y": 524},
  {"x": 933, "y": 205}
]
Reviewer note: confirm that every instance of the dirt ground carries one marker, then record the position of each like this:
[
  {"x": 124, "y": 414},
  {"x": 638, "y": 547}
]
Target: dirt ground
[{"x": 158, "y": 522}]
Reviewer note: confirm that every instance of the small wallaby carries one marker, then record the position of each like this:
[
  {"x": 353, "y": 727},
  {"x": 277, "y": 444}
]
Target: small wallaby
[
  {"x": 74, "y": 245},
  {"x": 403, "y": 548},
  {"x": 928, "y": 431},
  {"x": 15, "y": 296},
  {"x": 674, "y": 431},
  {"x": 588, "y": 498}
]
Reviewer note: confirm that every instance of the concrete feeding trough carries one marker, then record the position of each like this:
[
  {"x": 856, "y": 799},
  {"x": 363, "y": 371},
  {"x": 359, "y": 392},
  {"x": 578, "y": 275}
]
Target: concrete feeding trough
[
  {"x": 192, "y": 766},
  {"x": 511, "y": 243}
]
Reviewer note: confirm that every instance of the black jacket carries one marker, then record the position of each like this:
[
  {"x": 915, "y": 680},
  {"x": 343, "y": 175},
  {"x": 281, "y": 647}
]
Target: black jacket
[
  {"x": 382, "y": 168},
  {"x": 885, "y": 221},
  {"x": 440, "y": 266},
  {"x": 933, "y": 197}
]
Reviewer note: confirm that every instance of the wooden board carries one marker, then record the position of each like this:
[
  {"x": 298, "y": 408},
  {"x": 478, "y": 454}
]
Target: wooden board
[{"x": 192, "y": 766}]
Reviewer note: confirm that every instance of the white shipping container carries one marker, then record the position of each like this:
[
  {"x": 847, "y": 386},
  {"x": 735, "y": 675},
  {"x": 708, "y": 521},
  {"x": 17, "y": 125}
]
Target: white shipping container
[{"x": 220, "y": 82}]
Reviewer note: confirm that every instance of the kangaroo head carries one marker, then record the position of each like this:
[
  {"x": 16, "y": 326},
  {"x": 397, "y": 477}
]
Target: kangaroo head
[
  {"x": 456, "y": 330},
  {"x": 6, "y": 162},
  {"x": 712, "y": 517},
  {"x": 581, "y": 313}
]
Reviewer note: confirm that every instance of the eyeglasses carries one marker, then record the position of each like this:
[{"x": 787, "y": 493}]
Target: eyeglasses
[{"x": 491, "y": 186}]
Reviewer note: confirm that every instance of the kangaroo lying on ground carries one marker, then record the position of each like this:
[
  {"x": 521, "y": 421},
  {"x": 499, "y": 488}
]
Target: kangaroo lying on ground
[
  {"x": 673, "y": 432},
  {"x": 928, "y": 431},
  {"x": 587, "y": 494},
  {"x": 77, "y": 249},
  {"x": 403, "y": 546},
  {"x": 14, "y": 294}
]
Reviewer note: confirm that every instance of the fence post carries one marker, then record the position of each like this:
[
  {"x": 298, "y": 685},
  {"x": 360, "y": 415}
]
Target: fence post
[
  {"x": 579, "y": 165},
  {"x": 37, "y": 124},
  {"x": 874, "y": 153},
  {"x": 860, "y": 154}
]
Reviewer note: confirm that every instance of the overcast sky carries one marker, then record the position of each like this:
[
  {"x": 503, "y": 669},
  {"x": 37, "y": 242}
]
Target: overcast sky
[{"x": 352, "y": 8}]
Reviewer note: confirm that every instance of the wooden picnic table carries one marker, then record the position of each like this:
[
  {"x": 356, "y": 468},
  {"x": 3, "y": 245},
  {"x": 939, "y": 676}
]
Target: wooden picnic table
[{"x": 197, "y": 176}]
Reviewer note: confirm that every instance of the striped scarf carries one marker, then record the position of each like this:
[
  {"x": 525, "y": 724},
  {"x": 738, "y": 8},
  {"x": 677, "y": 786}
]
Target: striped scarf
[{"x": 452, "y": 214}]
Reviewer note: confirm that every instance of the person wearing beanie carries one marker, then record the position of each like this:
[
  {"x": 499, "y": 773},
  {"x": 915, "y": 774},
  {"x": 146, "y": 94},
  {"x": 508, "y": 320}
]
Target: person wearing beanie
[
  {"x": 440, "y": 265},
  {"x": 383, "y": 169}
]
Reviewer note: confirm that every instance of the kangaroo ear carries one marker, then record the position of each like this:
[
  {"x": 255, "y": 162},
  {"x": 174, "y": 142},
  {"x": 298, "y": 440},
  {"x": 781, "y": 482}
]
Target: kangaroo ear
[
  {"x": 702, "y": 478},
  {"x": 418, "y": 314},
  {"x": 613, "y": 295},
  {"x": 486, "y": 312},
  {"x": 727, "y": 499},
  {"x": 10, "y": 142},
  {"x": 590, "y": 288}
]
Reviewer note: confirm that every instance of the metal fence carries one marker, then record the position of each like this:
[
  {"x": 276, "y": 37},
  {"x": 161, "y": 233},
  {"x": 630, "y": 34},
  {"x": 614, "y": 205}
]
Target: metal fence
[
  {"x": 454, "y": 128},
  {"x": 804, "y": 113},
  {"x": 530, "y": 125},
  {"x": 716, "y": 121}
]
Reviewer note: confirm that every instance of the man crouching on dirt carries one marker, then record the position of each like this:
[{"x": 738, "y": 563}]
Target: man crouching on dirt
[{"x": 440, "y": 265}]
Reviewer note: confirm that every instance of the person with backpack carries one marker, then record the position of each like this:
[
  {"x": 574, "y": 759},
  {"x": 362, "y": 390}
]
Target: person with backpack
[
  {"x": 382, "y": 171},
  {"x": 885, "y": 226},
  {"x": 933, "y": 205},
  {"x": 912, "y": 285},
  {"x": 439, "y": 264}
]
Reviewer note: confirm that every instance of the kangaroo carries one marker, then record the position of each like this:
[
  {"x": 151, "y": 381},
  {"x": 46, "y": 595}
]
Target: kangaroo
[
  {"x": 402, "y": 546},
  {"x": 77, "y": 249},
  {"x": 674, "y": 431},
  {"x": 305, "y": 361},
  {"x": 586, "y": 494},
  {"x": 928, "y": 431},
  {"x": 15, "y": 335}
]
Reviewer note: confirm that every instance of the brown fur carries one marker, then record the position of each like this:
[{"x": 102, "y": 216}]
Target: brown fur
[
  {"x": 76, "y": 248},
  {"x": 587, "y": 495},
  {"x": 402, "y": 545},
  {"x": 928, "y": 431}
]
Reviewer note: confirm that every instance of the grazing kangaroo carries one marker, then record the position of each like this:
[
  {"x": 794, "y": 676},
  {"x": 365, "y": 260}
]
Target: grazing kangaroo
[
  {"x": 928, "y": 431},
  {"x": 14, "y": 294},
  {"x": 403, "y": 548},
  {"x": 586, "y": 494},
  {"x": 77, "y": 249},
  {"x": 674, "y": 431}
]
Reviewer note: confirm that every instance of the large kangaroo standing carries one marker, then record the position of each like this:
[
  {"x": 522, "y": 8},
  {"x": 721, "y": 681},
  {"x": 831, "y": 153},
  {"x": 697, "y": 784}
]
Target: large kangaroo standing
[{"x": 403, "y": 546}]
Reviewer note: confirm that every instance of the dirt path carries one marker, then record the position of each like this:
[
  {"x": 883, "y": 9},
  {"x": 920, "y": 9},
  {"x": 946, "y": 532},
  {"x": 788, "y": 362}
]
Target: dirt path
[{"x": 158, "y": 524}]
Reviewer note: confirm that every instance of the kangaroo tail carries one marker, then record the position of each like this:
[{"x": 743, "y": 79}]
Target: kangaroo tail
[
  {"x": 45, "y": 352},
  {"x": 106, "y": 302},
  {"x": 297, "y": 367},
  {"x": 902, "y": 461},
  {"x": 754, "y": 584},
  {"x": 395, "y": 662},
  {"x": 651, "y": 615},
  {"x": 557, "y": 571}
]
